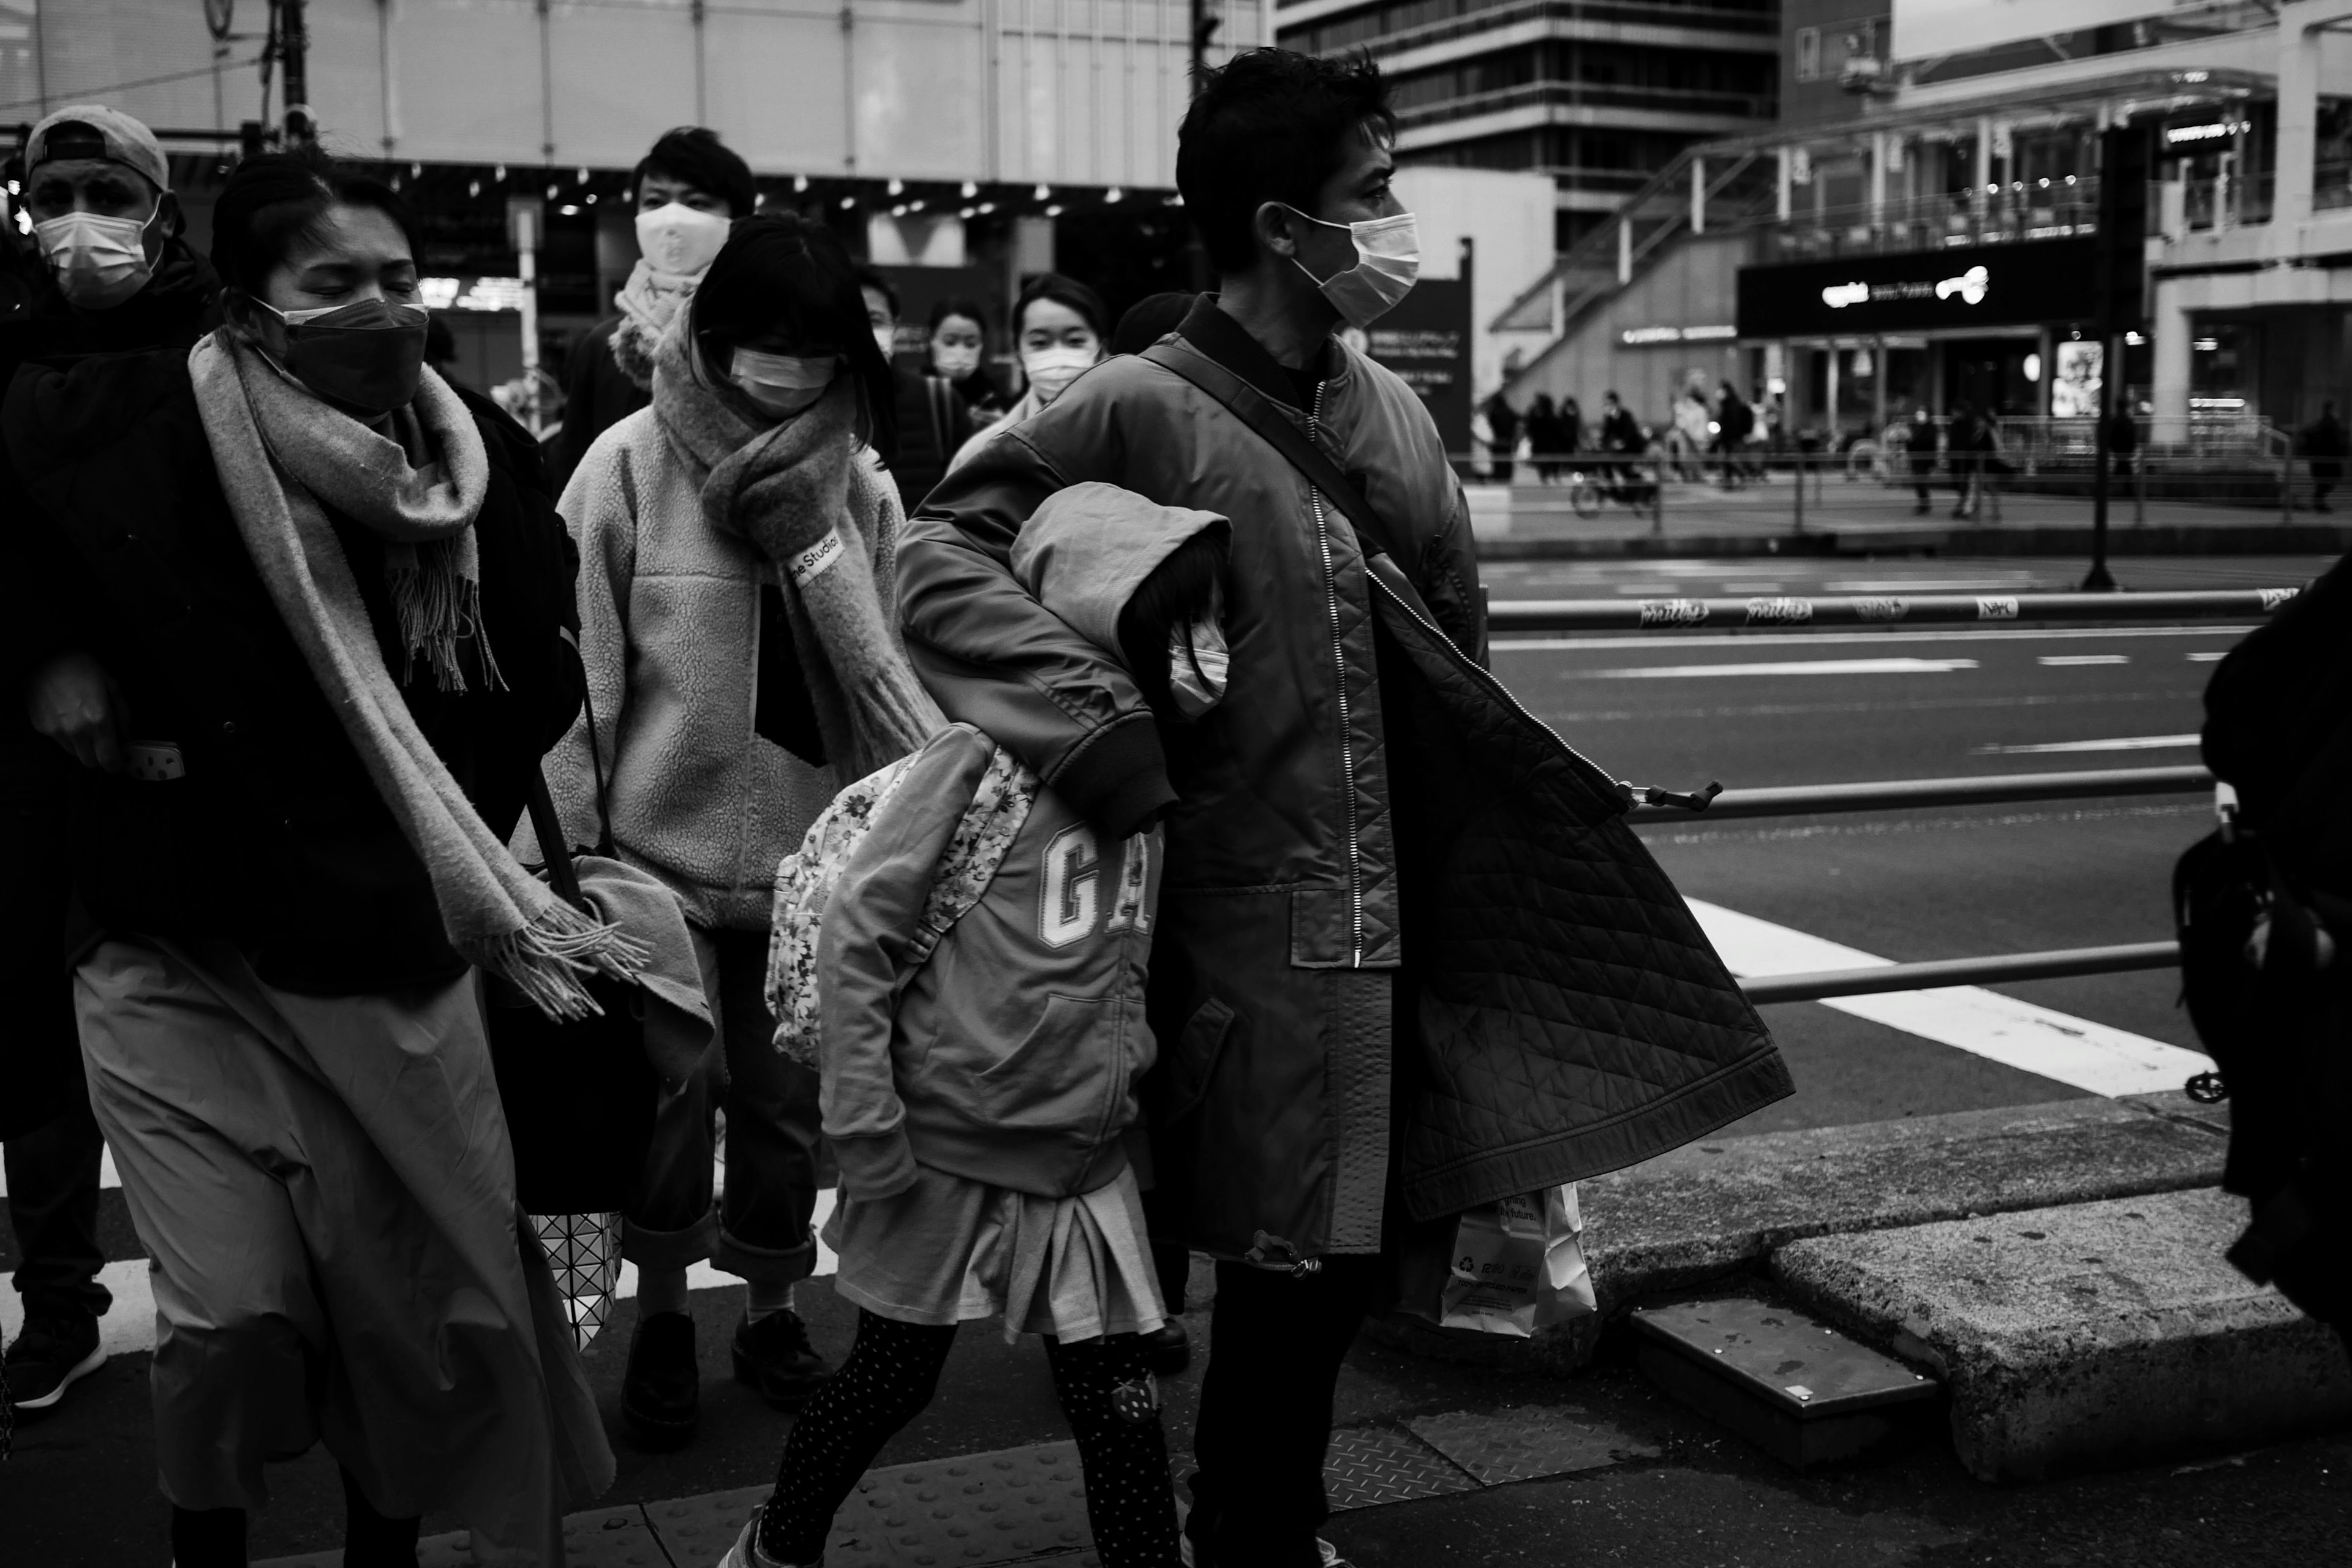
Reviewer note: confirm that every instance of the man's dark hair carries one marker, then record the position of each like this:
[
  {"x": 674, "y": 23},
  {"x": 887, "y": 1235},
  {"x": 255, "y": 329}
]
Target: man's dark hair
[
  {"x": 1147, "y": 320},
  {"x": 1270, "y": 125},
  {"x": 1064, "y": 291},
  {"x": 870, "y": 276},
  {"x": 693, "y": 155},
  {"x": 780, "y": 272},
  {"x": 277, "y": 199},
  {"x": 1179, "y": 590}
]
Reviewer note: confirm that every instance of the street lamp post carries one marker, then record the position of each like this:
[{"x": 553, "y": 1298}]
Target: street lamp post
[{"x": 293, "y": 53}]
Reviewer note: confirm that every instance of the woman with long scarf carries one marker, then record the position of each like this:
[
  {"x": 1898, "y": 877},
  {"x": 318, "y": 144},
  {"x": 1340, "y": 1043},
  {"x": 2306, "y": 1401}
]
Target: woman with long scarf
[
  {"x": 738, "y": 542},
  {"x": 301, "y": 614}
]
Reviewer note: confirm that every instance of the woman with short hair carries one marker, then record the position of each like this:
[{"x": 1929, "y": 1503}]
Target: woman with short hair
[
  {"x": 1060, "y": 328},
  {"x": 303, "y": 620}
]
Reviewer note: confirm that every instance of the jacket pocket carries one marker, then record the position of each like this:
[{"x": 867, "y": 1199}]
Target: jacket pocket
[
  {"x": 1058, "y": 1077},
  {"x": 1322, "y": 929},
  {"x": 1193, "y": 1060}
]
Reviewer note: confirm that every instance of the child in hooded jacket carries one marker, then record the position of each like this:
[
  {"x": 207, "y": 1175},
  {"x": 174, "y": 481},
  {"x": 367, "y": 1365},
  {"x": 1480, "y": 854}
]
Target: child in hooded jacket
[{"x": 980, "y": 1032}]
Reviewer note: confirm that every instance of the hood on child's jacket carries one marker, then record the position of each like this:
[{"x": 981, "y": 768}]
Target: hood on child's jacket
[{"x": 1086, "y": 550}]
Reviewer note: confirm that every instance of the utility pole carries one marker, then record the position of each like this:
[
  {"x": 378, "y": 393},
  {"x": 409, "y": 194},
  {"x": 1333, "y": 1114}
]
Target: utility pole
[
  {"x": 1205, "y": 23},
  {"x": 2123, "y": 222},
  {"x": 293, "y": 52}
]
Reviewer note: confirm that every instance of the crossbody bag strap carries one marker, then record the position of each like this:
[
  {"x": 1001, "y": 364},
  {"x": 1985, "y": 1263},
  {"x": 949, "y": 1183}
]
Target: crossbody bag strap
[{"x": 1249, "y": 406}]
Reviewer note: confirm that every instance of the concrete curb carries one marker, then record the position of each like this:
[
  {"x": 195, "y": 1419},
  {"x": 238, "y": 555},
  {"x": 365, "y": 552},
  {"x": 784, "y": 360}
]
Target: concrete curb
[
  {"x": 1722, "y": 1206},
  {"x": 2098, "y": 1334},
  {"x": 2216, "y": 538}
]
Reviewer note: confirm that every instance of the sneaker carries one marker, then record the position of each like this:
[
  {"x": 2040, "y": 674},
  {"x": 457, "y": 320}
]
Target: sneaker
[
  {"x": 1169, "y": 1348},
  {"x": 661, "y": 1395},
  {"x": 49, "y": 1356},
  {"x": 746, "y": 1552},
  {"x": 774, "y": 1356}
]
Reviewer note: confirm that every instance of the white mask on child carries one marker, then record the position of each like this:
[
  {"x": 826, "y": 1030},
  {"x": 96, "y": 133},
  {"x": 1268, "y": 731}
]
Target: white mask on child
[{"x": 1196, "y": 665}]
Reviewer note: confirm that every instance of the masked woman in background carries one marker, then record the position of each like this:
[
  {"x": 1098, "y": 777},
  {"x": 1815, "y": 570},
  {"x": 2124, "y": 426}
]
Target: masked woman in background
[
  {"x": 1059, "y": 328},
  {"x": 738, "y": 542},
  {"x": 958, "y": 349},
  {"x": 300, "y": 616}
]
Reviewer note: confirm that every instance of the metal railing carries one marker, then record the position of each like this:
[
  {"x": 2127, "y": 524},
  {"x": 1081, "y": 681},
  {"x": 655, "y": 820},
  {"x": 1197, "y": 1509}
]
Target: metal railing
[
  {"x": 1811, "y": 800},
  {"x": 1783, "y": 613}
]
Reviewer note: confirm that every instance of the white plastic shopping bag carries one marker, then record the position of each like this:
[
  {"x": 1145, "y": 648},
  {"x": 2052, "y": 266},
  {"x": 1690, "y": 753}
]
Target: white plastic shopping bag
[{"x": 1515, "y": 1266}]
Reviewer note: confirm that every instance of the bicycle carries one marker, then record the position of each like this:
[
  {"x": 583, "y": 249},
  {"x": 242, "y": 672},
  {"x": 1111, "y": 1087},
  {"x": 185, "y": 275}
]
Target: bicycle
[{"x": 1589, "y": 494}]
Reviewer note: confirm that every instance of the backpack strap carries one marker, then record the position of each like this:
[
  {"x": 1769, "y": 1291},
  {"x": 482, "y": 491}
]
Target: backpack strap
[{"x": 1249, "y": 406}]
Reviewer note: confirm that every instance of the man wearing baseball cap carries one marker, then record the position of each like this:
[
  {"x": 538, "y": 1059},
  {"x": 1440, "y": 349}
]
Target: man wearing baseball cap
[{"x": 119, "y": 277}]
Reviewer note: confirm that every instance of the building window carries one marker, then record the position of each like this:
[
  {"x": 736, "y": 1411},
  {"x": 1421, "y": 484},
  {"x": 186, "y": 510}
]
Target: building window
[{"x": 1809, "y": 54}]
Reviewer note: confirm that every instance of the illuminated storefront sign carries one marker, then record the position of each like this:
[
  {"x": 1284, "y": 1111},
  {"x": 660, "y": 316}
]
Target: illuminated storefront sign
[
  {"x": 2187, "y": 141},
  {"x": 1964, "y": 286},
  {"x": 471, "y": 293}
]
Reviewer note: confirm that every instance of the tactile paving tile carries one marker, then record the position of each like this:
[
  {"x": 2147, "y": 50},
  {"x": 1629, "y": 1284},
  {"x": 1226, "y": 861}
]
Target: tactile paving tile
[
  {"x": 1368, "y": 1465},
  {"x": 1523, "y": 1445},
  {"x": 1017, "y": 1505},
  {"x": 613, "y": 1537}
]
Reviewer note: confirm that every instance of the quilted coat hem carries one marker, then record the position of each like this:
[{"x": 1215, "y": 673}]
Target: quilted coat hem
[{"x": 1690, "y": 1113}]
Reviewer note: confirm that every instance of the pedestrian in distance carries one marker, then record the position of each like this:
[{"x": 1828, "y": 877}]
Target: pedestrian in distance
[
  {"x": 296, "y": 771},
  {"x": 1571, "y": 427},
  {"x": 1622, "y": 436},
  {"x": 931, "y": 424},
  {"x": 1733, "y": 420},
  {"x": 958, "y": 353},
  {"x": 737, "y": 538},
  {"x": 685, "y": 191},
  {"x": 979, "y": 1086},
  {"x": 2324, "y": 444},
  {"x": 1503, "y": 420},
  {"x": 1921, "y": 452},
  {"x": 1308, "y": 1006},
  {"x": 1546, "y": 441},
  {"x": 1061, "y": 330},
  {"x": 116, "y": 275},
  {"x": 1962, "y": 456}
]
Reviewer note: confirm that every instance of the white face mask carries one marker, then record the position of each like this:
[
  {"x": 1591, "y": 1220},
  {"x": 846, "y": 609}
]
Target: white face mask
[
  {"x": 678, "y": 239},
  {"x": 781, "y": 384},
  {"x": 1051, "y": 371},
  {"x": 1388, "y": 263},
  {"x": 1197, "y": 662},
  {"x": 955, "y": 361},
  {"x": 99, "y": 262}
]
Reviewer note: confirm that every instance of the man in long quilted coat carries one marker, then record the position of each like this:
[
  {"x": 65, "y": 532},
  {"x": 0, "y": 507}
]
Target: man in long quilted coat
[{"x": 1409, "y": 958}]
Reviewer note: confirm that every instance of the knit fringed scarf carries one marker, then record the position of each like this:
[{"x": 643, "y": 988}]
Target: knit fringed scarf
[
  {"x": 811, "y": 499},
  {"x": 648, "y": 302},
  {"x": 284, "y": 457}
]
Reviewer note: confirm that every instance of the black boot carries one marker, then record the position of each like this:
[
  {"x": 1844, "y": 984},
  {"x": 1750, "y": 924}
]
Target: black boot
[
  {"x": 774, "y": 1356},
  {"x": 661, "y": 1396},
  {"x": 1169, "y": 1347}
]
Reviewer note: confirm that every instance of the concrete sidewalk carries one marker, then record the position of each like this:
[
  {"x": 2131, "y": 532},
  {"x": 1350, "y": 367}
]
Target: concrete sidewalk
[{"x": 1531, "y": 522}]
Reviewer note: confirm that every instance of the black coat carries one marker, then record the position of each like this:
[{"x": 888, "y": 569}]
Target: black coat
[
  {"x": 597, "y": 395},
  {"x": 275, "y": 839}
]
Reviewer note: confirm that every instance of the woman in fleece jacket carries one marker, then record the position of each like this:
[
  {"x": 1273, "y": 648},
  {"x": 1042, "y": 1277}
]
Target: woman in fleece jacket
[
  {"x": 736, "y": 542},
  {"x": 979, "y": 1026}
]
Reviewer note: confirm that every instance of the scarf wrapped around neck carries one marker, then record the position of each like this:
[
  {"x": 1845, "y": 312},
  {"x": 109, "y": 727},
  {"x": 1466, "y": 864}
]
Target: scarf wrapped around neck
[
  {"x": 648, "y": 302},
  {"x": 284, "y": 458},
  {"x": 808, "y": 496}
]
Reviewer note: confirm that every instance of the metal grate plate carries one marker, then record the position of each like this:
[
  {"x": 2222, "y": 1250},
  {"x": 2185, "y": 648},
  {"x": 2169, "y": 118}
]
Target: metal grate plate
[
  {"x": 1369, "y": 1466},
  {"x": 1526, "y": 1444}
]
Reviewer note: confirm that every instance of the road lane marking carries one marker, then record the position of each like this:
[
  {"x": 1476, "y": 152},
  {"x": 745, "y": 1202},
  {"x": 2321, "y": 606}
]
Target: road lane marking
[
  {"x": 1789, "y": 666},
  {"x": 1883, "y": 638},
  {"x": 2118, "y": 744},
  {"x": 2022, "y": 583},
  {"x": 2065, "y": 659},
  {"x": 2040, "y": 1040},
  {"x": 2209, "y": 655}
]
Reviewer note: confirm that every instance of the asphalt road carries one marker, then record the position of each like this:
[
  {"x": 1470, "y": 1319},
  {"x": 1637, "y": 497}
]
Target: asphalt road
[{"x": 1915, "y": 885}]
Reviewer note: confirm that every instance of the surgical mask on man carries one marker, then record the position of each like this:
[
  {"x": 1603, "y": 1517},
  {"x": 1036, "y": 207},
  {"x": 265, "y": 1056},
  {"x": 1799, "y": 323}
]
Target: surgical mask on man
[
  {"x": 782, "y": 384},
  {"x": 1197, "y": 662},
  {"x": 680, "y": 239},
  {"x": 367, "y": 354},
  {"x": 99, "y": 261},
  {"x": 1051, "y": 370},
  {"x": 955, "y": 361},
  {"x": 1387, "y": 264}
]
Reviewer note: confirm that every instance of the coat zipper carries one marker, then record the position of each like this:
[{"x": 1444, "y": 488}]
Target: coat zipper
[{"x": 1340, "y": 661}]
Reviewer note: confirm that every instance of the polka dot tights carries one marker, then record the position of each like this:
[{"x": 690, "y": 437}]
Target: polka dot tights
[{"x": 1107, "y": 1393}]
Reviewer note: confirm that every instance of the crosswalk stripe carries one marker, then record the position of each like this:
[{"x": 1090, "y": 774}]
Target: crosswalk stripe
[{"x": 2090, "y": 1057}]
